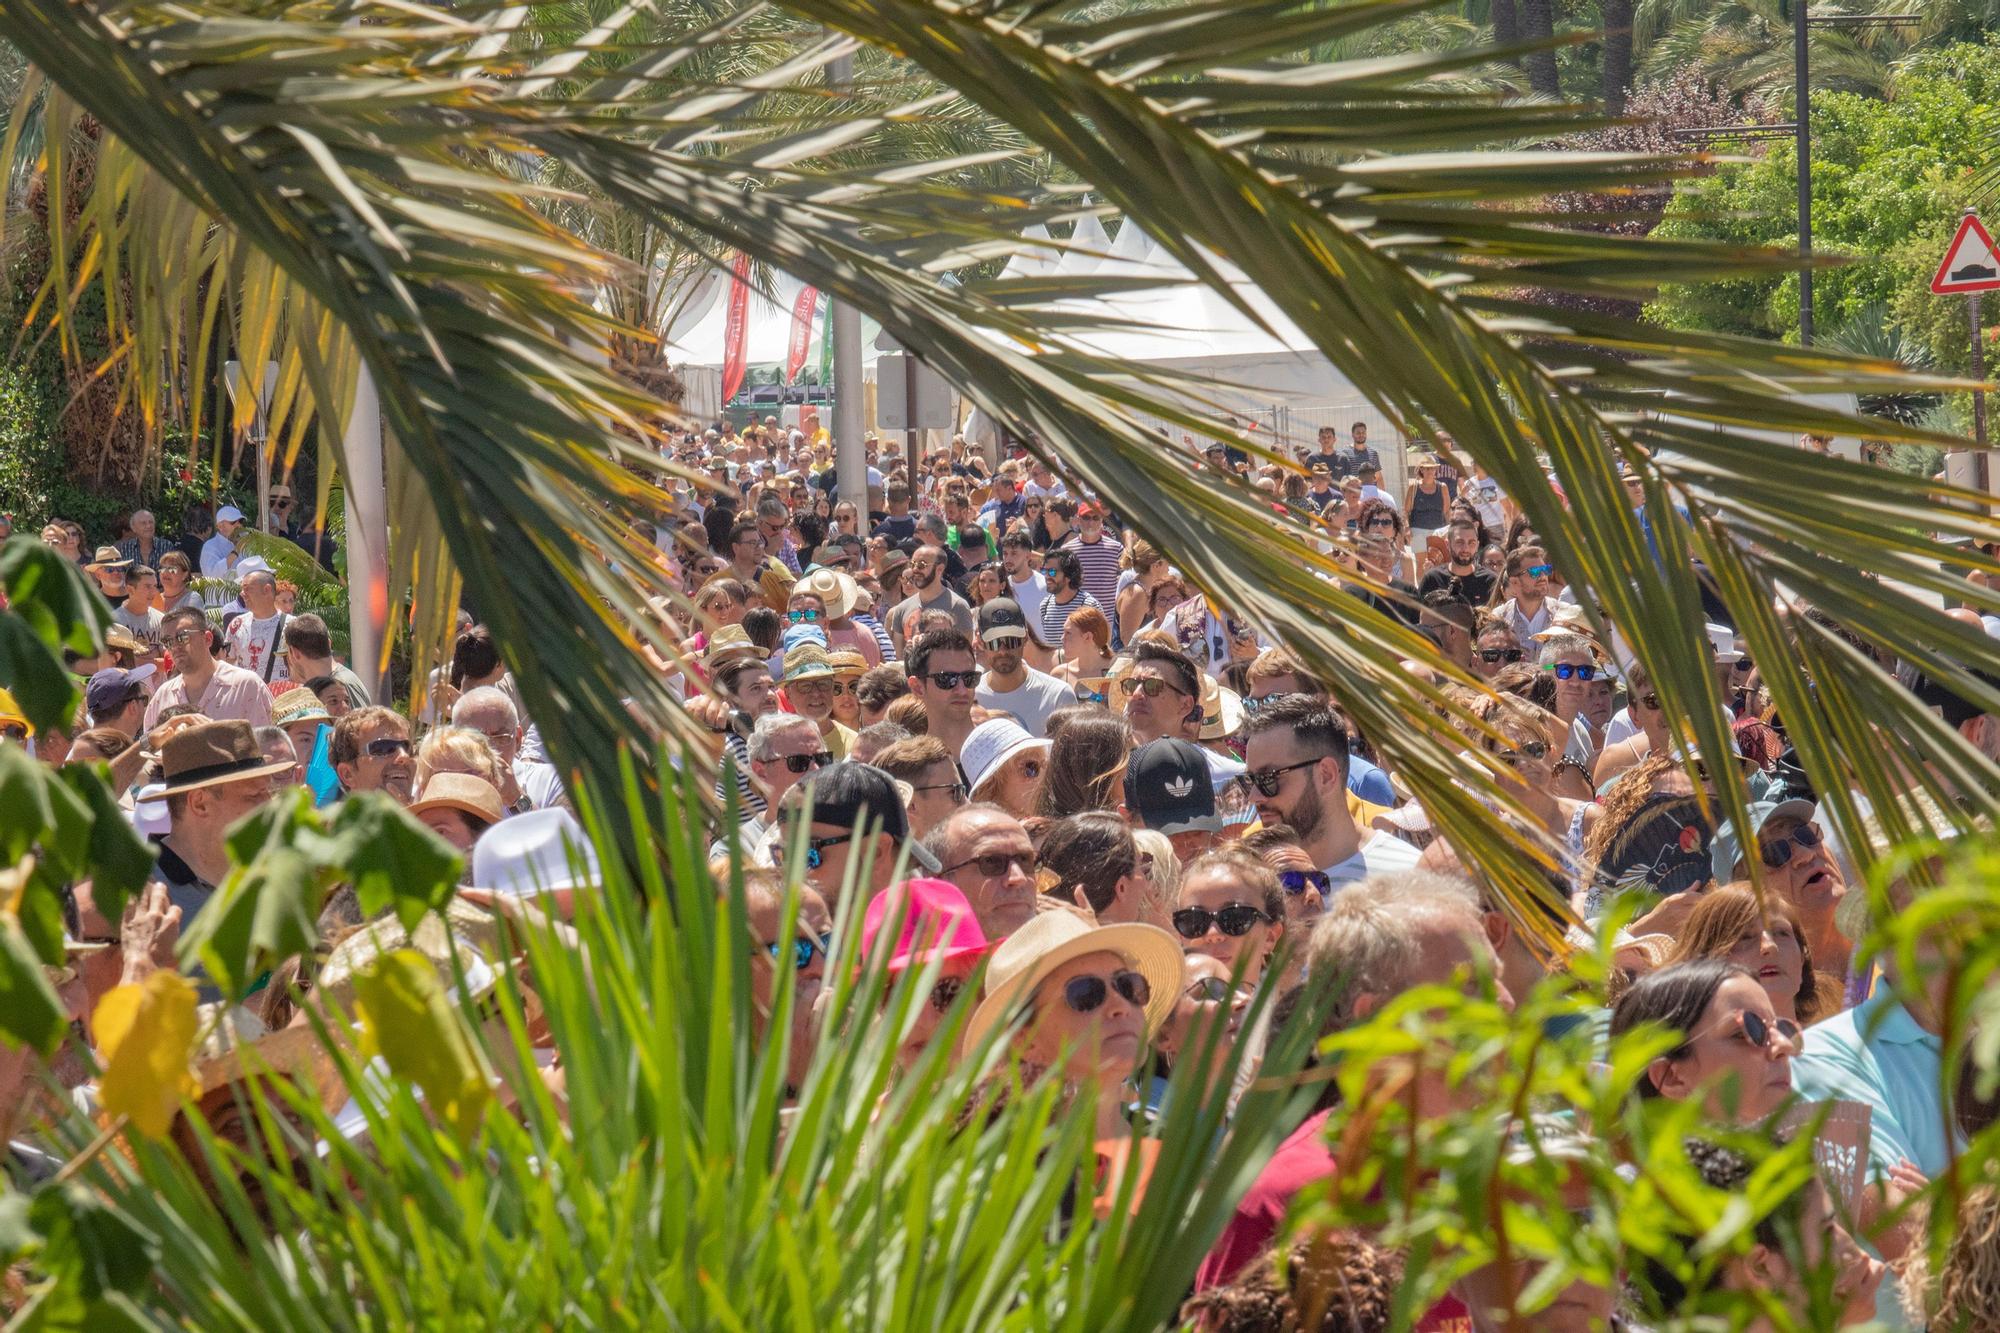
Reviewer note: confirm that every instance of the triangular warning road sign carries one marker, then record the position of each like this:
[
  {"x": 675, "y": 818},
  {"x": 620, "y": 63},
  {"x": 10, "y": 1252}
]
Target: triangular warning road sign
[{"x": 1970, "y": 264}]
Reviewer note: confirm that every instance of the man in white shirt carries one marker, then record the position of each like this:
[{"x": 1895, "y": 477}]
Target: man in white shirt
[
  {"x": 1025, "y": 584},
  {"x": 1297, "y": 767},
  {"x": 254, "y": 639},
  {"x": 218, "y": 553},
  {"x": 1009, "y": 684},
  {"x": 1528, "y": 610},
  {"x": 1042, "y": 483}
]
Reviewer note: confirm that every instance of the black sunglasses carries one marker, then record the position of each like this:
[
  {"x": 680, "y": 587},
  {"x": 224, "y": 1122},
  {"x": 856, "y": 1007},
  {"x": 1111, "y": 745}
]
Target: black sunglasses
[
  {"x": 1758, "y": 1032},
  {"x": 1500, "y": 654},
  {"x": 945, "y": 991},
  {"x": 11, "y": 732},
  {"x": 1266, "y": 780},
  {"x": 1232, "y": 919},
  {"x": 995, "y": 863},
  {"x": 1572, "y": 671},
  {"x": 1088, "y": 994},
  {"x": 1743, "y": 666},
  {"x": 806, "y": 763},
  {"x": 1296, "y": 882},
  {"x": 384, "y": 746},
  {"x": 1211, "y": 990},
  {"x": 802, "y": 950},
  {"x": 1778, "y": 854},
  {"x": 951, "y": 680}
]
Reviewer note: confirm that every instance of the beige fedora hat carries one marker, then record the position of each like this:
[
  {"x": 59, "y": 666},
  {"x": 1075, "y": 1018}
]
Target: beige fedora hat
[{"x": 1023, "y": 959}]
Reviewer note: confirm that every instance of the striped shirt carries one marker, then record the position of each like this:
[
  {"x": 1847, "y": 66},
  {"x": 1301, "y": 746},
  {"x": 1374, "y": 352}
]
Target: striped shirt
[
  {"x": 736, "y": 763},
  {"x": 874, "y": 627},
  {"x": 1100, "y": 567},
  {"x": 1056, "y": 614}
]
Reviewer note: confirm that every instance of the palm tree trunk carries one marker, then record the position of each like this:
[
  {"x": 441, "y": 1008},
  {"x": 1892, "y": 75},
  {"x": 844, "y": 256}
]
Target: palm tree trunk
[
  {"x": 1538, "y": 25},
  {"x": 1617, "y": 54},
  {"x": 1506, "y": 24}
]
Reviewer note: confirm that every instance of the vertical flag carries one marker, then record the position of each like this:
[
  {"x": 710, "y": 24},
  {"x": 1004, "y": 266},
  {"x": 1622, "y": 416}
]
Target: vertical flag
[
  {"x": 803, "y": 309},
  {"x": 735, "y": 329},
  {"x": 826, "y": 345}
]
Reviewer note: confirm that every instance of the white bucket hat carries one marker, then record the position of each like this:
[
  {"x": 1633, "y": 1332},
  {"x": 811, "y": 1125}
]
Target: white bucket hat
[
  {"x": 538, "y": 852},
  {"x": 991, "y": 745}
]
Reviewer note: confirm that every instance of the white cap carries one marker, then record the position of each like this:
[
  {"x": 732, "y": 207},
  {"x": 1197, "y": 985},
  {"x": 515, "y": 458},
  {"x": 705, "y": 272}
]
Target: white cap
[
  {"x": 150, "y": 815},
  {"x": 252, "y": 564},
  {"x": 229, "y": 514}
]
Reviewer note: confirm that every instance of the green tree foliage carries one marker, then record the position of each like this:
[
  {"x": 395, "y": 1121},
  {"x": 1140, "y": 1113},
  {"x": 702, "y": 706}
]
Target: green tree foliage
[{"x": 1890, "y": 179}]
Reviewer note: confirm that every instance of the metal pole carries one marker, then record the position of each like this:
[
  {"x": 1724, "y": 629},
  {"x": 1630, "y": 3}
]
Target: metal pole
[
  {"x": 850, "y": 459},
  {"x": 367, "y": 536},
  {"x": 1978, "y": 373},
  {"x": 1802, "y": 113}
]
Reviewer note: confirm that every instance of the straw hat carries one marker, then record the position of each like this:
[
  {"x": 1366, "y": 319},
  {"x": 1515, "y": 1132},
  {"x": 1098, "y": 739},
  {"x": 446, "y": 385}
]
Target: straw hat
[
  {"x": 209, "y": 753},
  {"x": 240, "y": 1047},
  {"x": 468, "y": 941},
  {"x": 1221, "y": 709},
  {"x": 1050, "y": 939},
  {"x": 988, "y": 748},
  {"x": 463, "y": 792},
  {"x": 107, "y": 557},
  {"x": 847, "y": 661},
  {"x": 837, "y": 591},
  {"x": 298, "y": 705},
  {"x": 806, "y": 662},
  {"x": 726, "y": 644}
]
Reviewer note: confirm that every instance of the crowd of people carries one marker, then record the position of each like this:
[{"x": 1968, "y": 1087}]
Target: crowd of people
[{"x": 1106, "y": 808}]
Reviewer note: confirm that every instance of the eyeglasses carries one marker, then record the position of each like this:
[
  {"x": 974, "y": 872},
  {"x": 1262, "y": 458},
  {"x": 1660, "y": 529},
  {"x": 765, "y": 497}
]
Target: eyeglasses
[
  {"x": 1491, "y": 655},
  {"x": 1296, "y": 882},
  {"x": 1212, "y": 990},
  {"x": 1385, "y": 524},
  {"x": 805, "y": 763},
  {"x": 803, "y": 949},
  {"x": 1152, "y": 685},
  {"x": 1087, "y": 994},
  {"x": 1743, "y": 666},
  {"x": 1540, "y": 571},
  {"x": 952, "y": 680},
  {"x": 805, "y": 616},
  {"x": 1573, "y": 671},
  {"x": 995, "y": 864},
  {"x": 1232, "y": 919},
  {"x": 1267, "y": 780},
  {"x": 1777, "y": 854},
  {"x": 1084, "y": 694},
  {"x": 1650, "y": 702},
  {"x": 957, "y": 789},
  {"x": 816, "y": 848},
  {"x": 384, "y": 746}
]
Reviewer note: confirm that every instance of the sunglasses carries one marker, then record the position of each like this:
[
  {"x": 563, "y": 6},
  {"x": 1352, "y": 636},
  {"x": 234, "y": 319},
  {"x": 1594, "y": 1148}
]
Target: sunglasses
[
  {"x": 384, "y": 746},
  {"x": 1382, "y": 524},
  {"x": 1088, "y": 994},
  {"x": 945, "y": 992},
  {"x": 1743, "y": 666},
  {"x": 994, "y": 864},
  {"x": 1536, "y": 750},
  {"x": 1650, "y": 702},
  {"x": 1296, "y": 882},
  {"x": 1212, "y": 990},
  {"x": 1569, "y": 671},
  {"x": 1540, "y": 571},
  {"x": 806, "y": 763},
  {"x": 187, "y": 636},
  {"x": 952, "y": 680},
  {"x": 1266, "y": 780},
  {"x": 1232, "y": 919},
  {"x": 12, "y": 732},
  {"x": 1491, "y": 655},
  {"x": 816, "y": 848},
  {"x": 1152, "y": 685},
  {"x": 803, "y": 949},
  {"x": 1088, "y": 696},
  {"x": 1778, "y": 853},
  {"x": 1758, "y": 1032},
  {"x": 805, "y": 616}
]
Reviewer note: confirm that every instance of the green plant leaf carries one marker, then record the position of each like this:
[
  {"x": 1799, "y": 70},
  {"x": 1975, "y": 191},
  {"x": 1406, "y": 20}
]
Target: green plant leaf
[
  {"x": 114, "y": 855},
  {"x": 391, "y": 859},
  {"x": 261, "y": 914},
  {"x": 30, "y": 1012},
  {"x": 51, "y": 605},
  {"x": 91, "y": 1243}
]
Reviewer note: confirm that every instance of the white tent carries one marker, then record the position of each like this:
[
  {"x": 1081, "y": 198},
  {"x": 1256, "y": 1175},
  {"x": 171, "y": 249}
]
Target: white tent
[{"x": 696, "y": 333}]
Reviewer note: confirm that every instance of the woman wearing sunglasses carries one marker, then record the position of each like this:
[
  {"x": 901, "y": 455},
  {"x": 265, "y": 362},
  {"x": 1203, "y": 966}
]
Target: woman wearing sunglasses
[
  {"x": 1202, "y": 1030},
  {"x": 1231, "y": 907},
  {"x": 1089, "y": 1000},
  {"x": 1735, "y": 1052}
]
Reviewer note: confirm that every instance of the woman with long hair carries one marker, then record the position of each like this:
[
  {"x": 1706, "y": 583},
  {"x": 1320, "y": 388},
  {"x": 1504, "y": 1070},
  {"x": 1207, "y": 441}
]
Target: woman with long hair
[
  {"x": 1086, "y": 764},
  {"x": 1086, "y": 646},
  {"x": 1764, "y": 938},
  {"x": 1733, "y": 1051}
]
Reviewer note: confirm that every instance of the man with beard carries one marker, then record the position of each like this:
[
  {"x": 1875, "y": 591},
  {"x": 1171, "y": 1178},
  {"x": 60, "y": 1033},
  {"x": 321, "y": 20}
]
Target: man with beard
[
  {"x": 1583, "y": 694},
  {"x": 1461, "y": 573},
  {"x": 1010, "y": 685},
  {"x": 924, "y": 578},
  {"x": 1297, "y": 757},
  {"x": 1062, "y": 582},
  {"x": 214, "y": 687}
]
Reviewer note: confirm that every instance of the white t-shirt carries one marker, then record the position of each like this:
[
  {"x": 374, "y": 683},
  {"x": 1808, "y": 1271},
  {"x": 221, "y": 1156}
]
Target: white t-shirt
[
  {"x": 249, "y": 642},
  {"x": 1621, "y": 727},
  {"x": 1488, "y": 499},
  {"x": 1031, "y": 701},
  {"x": 1380, "y": 854},
  {"x": 1035, "y": 490},
  {"x": 1029, "y": 595}
]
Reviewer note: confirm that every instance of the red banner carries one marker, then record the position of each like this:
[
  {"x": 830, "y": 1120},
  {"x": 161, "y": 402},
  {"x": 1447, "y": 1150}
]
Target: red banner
[
  {"x": 735, "y": 329},
  {"x": 802, "y": 332}
]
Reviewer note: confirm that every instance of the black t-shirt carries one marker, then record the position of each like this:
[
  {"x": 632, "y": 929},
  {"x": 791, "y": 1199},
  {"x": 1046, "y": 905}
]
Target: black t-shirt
[
  {"x": 1318, "y": 460},
  {"x": 1408, "y": 613},
  {"x": 897, "y": 527},
  {"x": 1476, "y": 587}
]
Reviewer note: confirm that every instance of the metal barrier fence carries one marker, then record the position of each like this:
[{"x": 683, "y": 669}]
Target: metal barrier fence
[{"x": 1292, "y": 429}]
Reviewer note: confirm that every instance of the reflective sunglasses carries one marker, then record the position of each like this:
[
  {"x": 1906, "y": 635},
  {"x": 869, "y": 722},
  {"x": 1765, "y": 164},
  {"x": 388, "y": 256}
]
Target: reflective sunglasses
[
  {"x": 1536, "y": 750},
  {"x": 1540, "y": 571},
  {"x": 1233, "y": 919},
  {"x": 1086, "y": 695},
  {"x": 1266, "y": 780},
  {"x": 803, "y": 616},
  {"x": 951, "y": 680},
  {"x": 384, "y": 746},
  {"x": 803, "y": 949},
  {"x": 806, "y": 763},
  {"x": 1088, "y": 994},
  {"x": 1296, "y": 882},
  {"x": 1777, "y": 855},
  {"x": 816, "y": 848},
  {"x": 1212, "y": 990},
  {"x": 1571, "y": 671},
  {"x": 1260, "y": 703},
  {"x": 994, "y": 863},
  {"x": 1490, "y": 655}
]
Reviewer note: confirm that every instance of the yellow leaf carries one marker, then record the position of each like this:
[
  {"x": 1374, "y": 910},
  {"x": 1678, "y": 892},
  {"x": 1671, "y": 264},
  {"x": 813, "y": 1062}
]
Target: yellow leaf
[
  {"x": 407, "y": 1019},
  {"x": 14, "y": 884},
  {"x": 146, "y": 1033}
]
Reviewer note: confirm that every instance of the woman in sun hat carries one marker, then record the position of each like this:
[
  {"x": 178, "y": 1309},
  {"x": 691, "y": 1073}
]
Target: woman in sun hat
[
  {"x": 1004, "y": 764},
  {"x": 1091, "y": 999}
]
